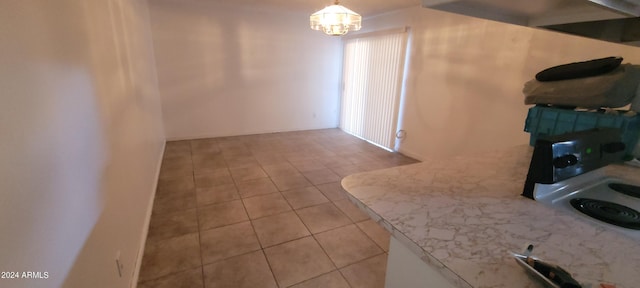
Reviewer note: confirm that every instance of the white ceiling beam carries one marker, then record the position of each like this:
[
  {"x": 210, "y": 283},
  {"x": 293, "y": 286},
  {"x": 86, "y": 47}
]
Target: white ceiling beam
[
  {"x": 629, "y": 7},
  {"x": 574, "y": 14},
  {"x": 429, "y": 3},
  {"x": 476, "y": 9}
]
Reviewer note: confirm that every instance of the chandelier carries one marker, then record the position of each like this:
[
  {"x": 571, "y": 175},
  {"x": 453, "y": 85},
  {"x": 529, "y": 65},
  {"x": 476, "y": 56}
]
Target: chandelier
[{"x": 335, "y": 20}]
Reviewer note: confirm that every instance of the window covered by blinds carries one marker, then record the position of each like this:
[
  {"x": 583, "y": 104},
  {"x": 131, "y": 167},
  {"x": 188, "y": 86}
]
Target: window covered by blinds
[{"x": 372, "y": 84}]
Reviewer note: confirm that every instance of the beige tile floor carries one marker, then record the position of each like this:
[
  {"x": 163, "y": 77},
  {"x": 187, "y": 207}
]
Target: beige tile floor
[{"x": 265, "y": 211}]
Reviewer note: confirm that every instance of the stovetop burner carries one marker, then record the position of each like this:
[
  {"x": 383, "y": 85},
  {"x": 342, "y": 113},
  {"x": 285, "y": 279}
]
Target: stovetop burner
[
  {"x": 630, "y": 190},
  {"x": 609, "y": 212}
]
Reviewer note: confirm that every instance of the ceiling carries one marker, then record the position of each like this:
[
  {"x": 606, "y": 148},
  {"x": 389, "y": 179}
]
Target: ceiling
[
  {"x": 609, "y": 20},
  {"x": 539, "y": 12},
  {"x": 363, "y": 7}
]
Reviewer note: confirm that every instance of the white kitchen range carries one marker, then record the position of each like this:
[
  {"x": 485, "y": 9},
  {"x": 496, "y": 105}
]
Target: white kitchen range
[
  {"x": 566, "y": 173},
  {"x": 605, "y": 200}
]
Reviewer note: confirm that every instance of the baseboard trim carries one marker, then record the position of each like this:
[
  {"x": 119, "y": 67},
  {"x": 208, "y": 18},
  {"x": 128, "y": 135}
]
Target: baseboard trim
[
  {"x": 205, "y": 136},
  {"x": 147, "y": 220},
  {"x": 411, "y": 154}
]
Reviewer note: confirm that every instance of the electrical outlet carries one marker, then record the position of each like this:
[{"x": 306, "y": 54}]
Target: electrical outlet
[{"x": 119, "y": 264}]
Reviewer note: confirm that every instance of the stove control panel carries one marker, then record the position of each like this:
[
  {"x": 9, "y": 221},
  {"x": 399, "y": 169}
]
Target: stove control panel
[
  {"x": 560, "y": 157},
  {"x": 565, "y": 161}
]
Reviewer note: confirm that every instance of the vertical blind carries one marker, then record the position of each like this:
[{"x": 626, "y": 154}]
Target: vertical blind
[{"x": 372, "y": 83}]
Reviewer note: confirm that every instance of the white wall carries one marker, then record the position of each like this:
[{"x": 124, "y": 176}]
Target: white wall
[
  {"x": 81, "y": 139},
  {"x": 465, "y": 76},
  {"x": 227, "y": 70}
]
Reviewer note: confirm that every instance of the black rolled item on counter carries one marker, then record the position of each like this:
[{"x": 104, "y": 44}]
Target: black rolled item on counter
[
  {"x": 614, "y": 89},
  {"x": 556, "y": 274},
  {"x": 576, "y": 70}
]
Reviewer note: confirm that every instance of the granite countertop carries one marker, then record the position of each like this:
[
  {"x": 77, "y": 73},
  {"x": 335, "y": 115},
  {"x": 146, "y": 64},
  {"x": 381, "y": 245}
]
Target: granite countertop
[{"x": 464, "y": 216}]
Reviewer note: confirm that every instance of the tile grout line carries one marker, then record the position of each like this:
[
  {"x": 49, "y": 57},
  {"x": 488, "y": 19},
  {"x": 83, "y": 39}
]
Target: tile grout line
[
  {"x": 358, "y": 262},
  {"x": 316, "y": 240},
  {"x": 310, "y": 234},
  {"x": 365, "y": 233},
  {"x": 314, "y": 140},
  {"x": 195, "y": 189},
  {"x": 318, "y": 243},
  {"x": 264, "y": 254},
  {"x": 323, "y": 274},
  {"x": 229, "y": 224},
  {"x": 345, "y": 278},
  {"x": 288, "y": 241},
  {"x": 176, "y": 212}
]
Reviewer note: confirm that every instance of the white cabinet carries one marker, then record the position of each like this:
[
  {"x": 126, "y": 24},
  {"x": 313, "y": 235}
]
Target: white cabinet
[{"x": 406, "y": 270}]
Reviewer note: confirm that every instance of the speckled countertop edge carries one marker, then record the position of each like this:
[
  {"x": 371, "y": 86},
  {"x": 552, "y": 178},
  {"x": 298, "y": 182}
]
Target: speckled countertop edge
[
  {"x": 490, "y": 179},
  {"x": 412, "y": 246}
]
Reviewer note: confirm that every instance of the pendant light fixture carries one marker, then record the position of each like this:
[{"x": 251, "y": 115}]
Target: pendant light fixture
[{"x": 335, "y": 20}]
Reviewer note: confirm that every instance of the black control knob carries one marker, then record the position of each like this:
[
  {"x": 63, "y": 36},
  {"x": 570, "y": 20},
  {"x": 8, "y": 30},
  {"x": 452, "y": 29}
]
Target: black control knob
[
  {"x": 565, "y": 161},
  {"x": 613, "y": 147}
]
